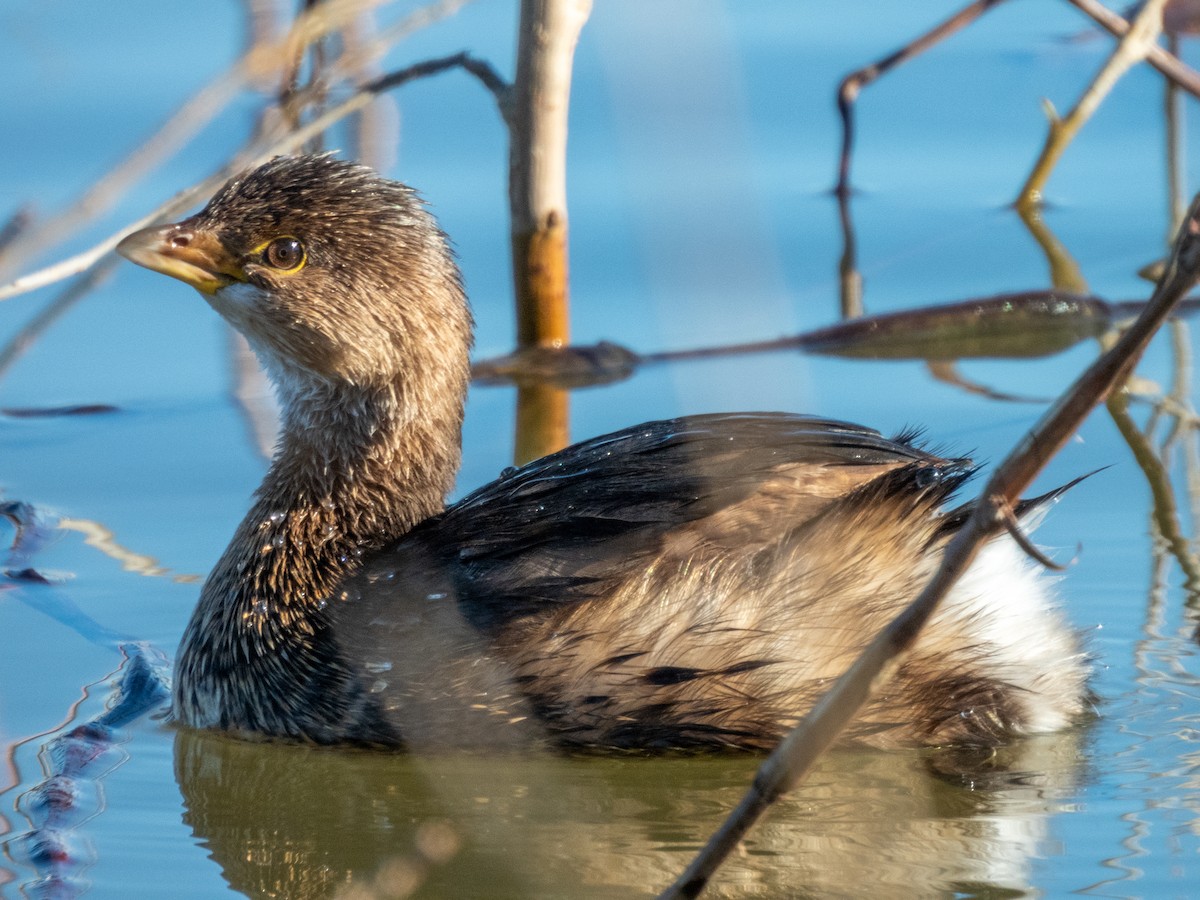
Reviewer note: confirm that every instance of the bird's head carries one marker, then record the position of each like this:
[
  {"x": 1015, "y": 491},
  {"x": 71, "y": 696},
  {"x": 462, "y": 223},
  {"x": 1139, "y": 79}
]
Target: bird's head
[{"x": 330, "y": 271}]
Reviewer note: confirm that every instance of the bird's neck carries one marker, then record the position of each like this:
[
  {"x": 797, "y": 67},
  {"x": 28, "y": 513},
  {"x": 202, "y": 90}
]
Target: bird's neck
[
  {"x": 356, "y": 468},
  {"x": 365, "y": 464}
]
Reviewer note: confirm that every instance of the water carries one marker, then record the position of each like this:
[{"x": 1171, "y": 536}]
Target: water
[{"x": 703, "y": 144}]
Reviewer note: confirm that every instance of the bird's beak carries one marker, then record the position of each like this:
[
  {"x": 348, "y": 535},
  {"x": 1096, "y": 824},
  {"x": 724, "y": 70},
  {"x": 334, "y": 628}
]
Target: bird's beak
[{"x": 193, "y": 255}]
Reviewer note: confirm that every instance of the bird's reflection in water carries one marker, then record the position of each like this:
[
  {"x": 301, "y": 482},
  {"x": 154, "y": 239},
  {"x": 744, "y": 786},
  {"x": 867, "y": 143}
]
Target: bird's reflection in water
[{"x": 301, "y": 822}]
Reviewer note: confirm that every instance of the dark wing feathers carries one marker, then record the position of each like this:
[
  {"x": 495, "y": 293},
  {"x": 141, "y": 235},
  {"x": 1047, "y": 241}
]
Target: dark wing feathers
[
  {"x": 563, "y": 528},
  {"x": 708, "y": 460}
]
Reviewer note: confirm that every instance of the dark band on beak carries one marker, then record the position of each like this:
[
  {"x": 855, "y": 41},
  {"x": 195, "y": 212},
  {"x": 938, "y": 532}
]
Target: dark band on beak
[{"x": 193, "y": 255}]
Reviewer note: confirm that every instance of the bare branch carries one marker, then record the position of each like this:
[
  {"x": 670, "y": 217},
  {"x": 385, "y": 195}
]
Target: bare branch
[
  {"x": 1166, "y": 511},
  {"x": 372, "y": 51},
  {"x": 1166, "y": 63},
  {"x": 261, "y": 152},
  {"x": 1132, "y": 49},
  {"x": 1008, "y": 517},
  {"x": 16, "y": 224},
  {"x": 81, "y": 262},
  {"x": 537, "y": 168},
  {"x": 24, "y": 338},
  {"x": 193, "y": 115},
  {"x": 853, "y": 83},
  {"x": 802, "y": 747}
]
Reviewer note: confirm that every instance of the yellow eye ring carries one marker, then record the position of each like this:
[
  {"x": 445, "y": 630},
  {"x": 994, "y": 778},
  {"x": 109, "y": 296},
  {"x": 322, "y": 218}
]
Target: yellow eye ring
[{"x": 285, "y": 253}]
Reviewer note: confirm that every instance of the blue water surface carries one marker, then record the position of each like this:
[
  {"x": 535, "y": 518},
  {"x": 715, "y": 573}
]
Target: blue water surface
[{"x": 704, "y": 141}]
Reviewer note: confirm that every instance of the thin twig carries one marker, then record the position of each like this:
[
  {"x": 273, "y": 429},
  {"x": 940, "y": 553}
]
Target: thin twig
[
  {"x": 1166, "y": 63},
  {"x": 1008, "y": 517},
  {"x": 374, "y": 134},
  {"x": 1131, "y": 49},
  {"x": 1166, "y": 511},
  {"x": 1175, "y": 124},
  {"x": 14, "y": 227},
  {"x": 850, "y": 280},
  {"x": 193, "y": 115},
  {"x": 369, "y": 52},
  {"x": 853, "y": 83},
  {"x": 481, "y": 69},
  {"x": 1065, "y": 274},
  {"x": 260, "y": 152},
  {"x": 81, "y": 262},
  {"x": 802, "y": 747},
  {"x": 352, "y": 104},
  {"x": 16, "y": 346}
]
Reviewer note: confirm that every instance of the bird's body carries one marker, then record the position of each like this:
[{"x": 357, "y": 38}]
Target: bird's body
[{"x": 683, "y": 584}]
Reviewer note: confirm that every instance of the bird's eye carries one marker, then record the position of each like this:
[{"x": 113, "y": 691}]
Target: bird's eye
[{"x": 284, "y": 253}]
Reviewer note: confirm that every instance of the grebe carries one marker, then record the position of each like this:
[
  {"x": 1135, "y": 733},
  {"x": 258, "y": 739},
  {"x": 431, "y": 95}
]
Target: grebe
[{"x": 682, "y": 584}]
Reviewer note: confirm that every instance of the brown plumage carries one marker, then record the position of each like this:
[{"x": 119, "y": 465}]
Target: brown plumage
[{"x": 689, "y": 583}]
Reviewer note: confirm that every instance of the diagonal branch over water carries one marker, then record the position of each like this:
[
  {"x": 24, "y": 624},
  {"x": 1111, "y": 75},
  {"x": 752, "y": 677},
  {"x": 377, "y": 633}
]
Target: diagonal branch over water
[
  {"x": 260, "y": 152},
  {"x": 784, "y": 768},
  {"x": 202, "y": 107}
]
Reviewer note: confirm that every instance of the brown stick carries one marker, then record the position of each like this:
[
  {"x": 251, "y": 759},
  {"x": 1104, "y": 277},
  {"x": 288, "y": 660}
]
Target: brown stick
[
  {"x": 1166, "y": 63},
  {"x": 850, "y": 280},
  {"x": 537, "y": 175},
  {"x": 258, "y": 62},
  {"x": 1132, "y": 49},
  {"x": 258, "y": 153},
  {"x": 783, "y": 769},
  {"x": 1176, "y": 170},
  {"x": 196, "y": 112},
  {"x": 543, "y": 422},
  {"x": 1165, "y": 514},
  {"x": 853, "y": 83},
  {"x": 15, "y": 346},
  {"x": 537, "y": 196},
  {"x": 1065, "y": 274}
]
